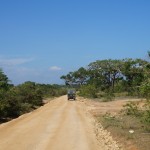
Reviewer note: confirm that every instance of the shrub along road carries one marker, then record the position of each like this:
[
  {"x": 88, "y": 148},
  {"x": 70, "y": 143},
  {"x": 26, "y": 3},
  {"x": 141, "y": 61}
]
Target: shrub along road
[{"x": 60, "y": 124}]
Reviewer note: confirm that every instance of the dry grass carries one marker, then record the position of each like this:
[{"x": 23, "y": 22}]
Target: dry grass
[{"x": 119, "y": 126}]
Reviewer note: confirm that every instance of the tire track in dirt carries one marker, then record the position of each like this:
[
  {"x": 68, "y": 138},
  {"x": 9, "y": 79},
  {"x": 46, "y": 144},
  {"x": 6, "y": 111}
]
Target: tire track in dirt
[{"x": 60, "y": 124}]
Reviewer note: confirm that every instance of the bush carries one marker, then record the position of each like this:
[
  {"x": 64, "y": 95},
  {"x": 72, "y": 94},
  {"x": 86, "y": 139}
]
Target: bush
[
  {"x": 13, "y": 104},
  {"x": 25, "y": 108},
  {"x": 131, "y": 108},
  {"x": 48, "y": 90},
  {"x": 29, "y": 93},
  {"x": 88, "y": 91},
  {"x": 146, "y": 116},
  {"x": 143, "y": 115},
  {"x": 19, "y": 100},
  {"x": 108, "y": 96},
  {"x": 15, "y": 101},
  {"x": 145, "y": 89}
]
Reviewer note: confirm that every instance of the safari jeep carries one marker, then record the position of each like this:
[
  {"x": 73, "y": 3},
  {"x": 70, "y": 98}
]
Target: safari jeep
[{"x": 71, "y": 94}]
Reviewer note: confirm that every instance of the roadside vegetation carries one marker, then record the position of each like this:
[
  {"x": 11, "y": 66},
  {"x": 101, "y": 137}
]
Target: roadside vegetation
[
  {"x": 106, "y": 80},
  {"x": 17, "y": 100},
  {"x": 109, "y": 78},
  {"x": 131, "y": 127}
]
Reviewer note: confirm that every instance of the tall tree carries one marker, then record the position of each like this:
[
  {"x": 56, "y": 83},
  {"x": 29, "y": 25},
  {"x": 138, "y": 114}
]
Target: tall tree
[
  {"x": 133, "y": 70},
  {"x": 4, "y": 82},
  {"x": 80, "y": 76},
  {"x": 145, "y": 86},
  {"x": 69, "y": 78},
  {"x": 106, "y": 72}
]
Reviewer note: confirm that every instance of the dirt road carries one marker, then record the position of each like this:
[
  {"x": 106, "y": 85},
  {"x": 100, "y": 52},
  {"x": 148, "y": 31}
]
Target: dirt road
[{"x": 59, "y": 125}]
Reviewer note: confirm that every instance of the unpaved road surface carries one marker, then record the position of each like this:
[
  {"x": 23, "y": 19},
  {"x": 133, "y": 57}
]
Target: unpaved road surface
[
  {"x": 58, "y": 125},
  {"x": 112, "y": 107}
]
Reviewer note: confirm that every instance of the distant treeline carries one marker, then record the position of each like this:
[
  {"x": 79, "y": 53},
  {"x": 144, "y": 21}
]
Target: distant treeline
[
  {"x": 107, "y": 78},
  {"x": 17, "y": 100}
]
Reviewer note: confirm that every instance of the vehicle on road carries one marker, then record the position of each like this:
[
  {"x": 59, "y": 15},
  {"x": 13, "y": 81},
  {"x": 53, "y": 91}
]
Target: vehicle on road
[{"x": 71, "y": 94}]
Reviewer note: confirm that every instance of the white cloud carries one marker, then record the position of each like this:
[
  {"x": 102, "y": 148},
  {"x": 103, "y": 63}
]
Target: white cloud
[
  {"x": 18, "y": 72},
  {"x": 14, "y": 61},
  {"x": 55, "y": 68}
]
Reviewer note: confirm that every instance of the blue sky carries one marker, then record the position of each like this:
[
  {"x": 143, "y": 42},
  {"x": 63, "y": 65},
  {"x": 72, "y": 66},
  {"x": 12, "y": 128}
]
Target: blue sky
[{"x": 40, "y": 40}]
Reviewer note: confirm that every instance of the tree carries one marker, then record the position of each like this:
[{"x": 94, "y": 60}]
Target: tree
[
  {"x": 148, "y": 54},
  {"x": 145, "y": 86},
  {"x": 4, "y": 82},
  {"x": 80, "y": 76},
  {"x": 106, "y": 72},
  {"x": 126, "y": 75},
  {"x": 29, "y": 93},
  {"x": 134, "y": 72},
  {"x": 69, "y": 78},
  {"x": 4, "y": 86}
]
